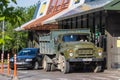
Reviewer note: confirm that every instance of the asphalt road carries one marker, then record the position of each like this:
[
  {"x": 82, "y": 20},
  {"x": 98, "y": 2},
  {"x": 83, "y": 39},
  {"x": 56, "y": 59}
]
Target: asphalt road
[{"x": 57, "y": 75}]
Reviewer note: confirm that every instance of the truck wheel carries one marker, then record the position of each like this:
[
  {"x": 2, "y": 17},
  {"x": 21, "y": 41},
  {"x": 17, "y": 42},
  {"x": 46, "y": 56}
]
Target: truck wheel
[
  {"x": 46, "y": 66},
  {"x": 102, "y": 68},
  {"x": 36, "y": 65},
  {"x": 98, "y": 68},
  {"x": 65, "y": 66},
  {"x": 53, "y": 67}
]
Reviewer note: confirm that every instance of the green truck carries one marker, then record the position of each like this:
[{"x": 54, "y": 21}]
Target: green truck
[{"x": 67, "y": 49}]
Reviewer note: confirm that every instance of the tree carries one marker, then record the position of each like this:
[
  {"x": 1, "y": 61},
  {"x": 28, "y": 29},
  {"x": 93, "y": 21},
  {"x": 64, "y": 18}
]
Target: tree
[
  {"x": 6, "y": 14},
  {"x": 13, "y": 18},
  {"x": 6, "y": 11},
  {"x": 19, "y": 39}
]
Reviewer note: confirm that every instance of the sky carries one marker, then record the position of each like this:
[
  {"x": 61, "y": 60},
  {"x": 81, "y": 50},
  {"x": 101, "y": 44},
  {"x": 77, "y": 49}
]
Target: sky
[{"x": 24, "y": 3}]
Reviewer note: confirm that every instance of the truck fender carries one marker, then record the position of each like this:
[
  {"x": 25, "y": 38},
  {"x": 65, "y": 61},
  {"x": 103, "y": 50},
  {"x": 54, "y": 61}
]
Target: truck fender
[{"x": 48, "y": 59}]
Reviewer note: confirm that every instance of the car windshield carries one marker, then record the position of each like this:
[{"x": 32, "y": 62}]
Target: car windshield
[
  {"x": 75, "y": 37},
  {"x": 26, "y": 53}
]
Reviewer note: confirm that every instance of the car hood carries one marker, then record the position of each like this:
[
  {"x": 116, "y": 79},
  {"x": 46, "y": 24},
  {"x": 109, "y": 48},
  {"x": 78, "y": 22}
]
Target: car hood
[{"x": 25, "y": 57}]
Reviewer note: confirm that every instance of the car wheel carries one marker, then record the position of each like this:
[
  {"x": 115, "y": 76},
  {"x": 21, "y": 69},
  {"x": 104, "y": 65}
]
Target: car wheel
[{"x": 36, "y": 65}]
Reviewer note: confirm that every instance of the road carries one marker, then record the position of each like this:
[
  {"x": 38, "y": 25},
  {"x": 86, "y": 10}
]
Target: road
[{"x": 57, "y": 75}]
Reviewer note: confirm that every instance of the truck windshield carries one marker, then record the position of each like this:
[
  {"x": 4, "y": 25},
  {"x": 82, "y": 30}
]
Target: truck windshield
[
  {"x": 75, "y": 37},
  {"x": 26, "y": 53}
]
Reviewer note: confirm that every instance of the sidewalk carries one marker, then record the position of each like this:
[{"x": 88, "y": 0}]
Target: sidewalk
[
  {"x": 4, "y": 77},
  {"x": 116, "y": 71}
]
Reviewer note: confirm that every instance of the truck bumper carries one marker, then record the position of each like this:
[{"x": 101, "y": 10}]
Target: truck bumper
[{"x": 86, "y": 60}]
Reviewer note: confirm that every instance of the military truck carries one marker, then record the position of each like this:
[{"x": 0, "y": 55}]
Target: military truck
[{"x": 67, "y": 49}]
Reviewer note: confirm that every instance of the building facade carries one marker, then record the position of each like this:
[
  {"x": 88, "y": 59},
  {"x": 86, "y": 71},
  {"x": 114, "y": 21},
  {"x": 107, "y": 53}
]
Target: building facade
[{"x": 100, "y": 16}]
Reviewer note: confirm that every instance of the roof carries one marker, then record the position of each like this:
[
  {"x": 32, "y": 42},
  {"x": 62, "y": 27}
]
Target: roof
[
  {"x": 55, "y": 9},
  {"x": 87, "y": 6},
  {"x": 45, "y": 9},
  {"x": 90, "y": 7},
  {"x": 114, "y": 5}
]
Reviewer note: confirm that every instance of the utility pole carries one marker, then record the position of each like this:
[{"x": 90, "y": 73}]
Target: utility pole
[
  {"x": 3, "y": 26},
  {"x": 2, "y": 55}
]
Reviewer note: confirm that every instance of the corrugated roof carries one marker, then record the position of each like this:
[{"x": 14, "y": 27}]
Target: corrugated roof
[{"x": 86, "y": 8}]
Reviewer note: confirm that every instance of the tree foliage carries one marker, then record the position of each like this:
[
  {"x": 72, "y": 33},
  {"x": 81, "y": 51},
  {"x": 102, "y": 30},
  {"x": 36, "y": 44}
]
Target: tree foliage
[
  {"x": 19, "y": 39},
  {"x": 14, "y": 17},
  {"x": 6, "y": 13}
]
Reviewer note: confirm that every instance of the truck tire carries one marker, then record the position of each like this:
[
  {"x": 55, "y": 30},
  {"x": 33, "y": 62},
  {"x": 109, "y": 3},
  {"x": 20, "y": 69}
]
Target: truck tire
[
  {"x": 46, "y": 66},
  {"x": 53, "y": 67},
  {"x": 65, "y": 65},
  {"x": 99, "y": 68}
]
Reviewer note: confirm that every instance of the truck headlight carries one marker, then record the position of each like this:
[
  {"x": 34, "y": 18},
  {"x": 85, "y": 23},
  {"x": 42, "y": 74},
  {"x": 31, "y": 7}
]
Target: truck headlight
[
  {"x": 70, "y": 54},
  {"x": 28, "y": 60},
  {"x": 100, "y": 54},
  {"x": 70, "y": 51}
]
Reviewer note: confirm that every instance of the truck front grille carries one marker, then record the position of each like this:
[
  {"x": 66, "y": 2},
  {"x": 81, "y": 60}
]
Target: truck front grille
[{"x": 85, "y": 52}]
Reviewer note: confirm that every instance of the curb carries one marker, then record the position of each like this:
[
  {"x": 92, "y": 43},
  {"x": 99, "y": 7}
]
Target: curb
[
  {"x": 5, "y": 75},
  {"x": 112, "y": 71}
]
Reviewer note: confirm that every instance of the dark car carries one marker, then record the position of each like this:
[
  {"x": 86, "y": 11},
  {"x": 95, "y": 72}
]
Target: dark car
[{"x": 27, "y": 58}]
